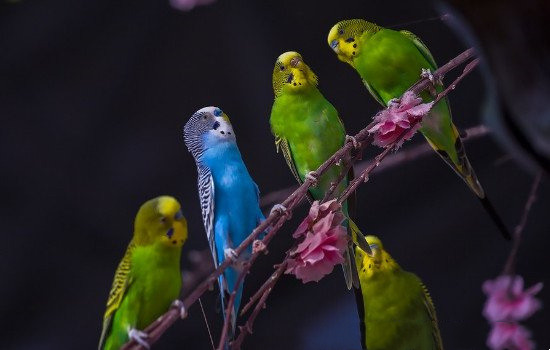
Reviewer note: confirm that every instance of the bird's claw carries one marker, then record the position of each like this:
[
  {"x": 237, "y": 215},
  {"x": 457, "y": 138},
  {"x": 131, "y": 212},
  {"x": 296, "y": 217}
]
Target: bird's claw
[
  {"x": 230, "y": 254},
  {"x": 139, "y": 337},
  {"x": 281, "y": 209},
  {"x": 394, "y": 101},
  {"x": 179, "y": 305},
  {"x": 426, "y": 73},
  {"x": 312, "y": 177},
  {"x": 258, "y": 246},
  {"x": 353, "y": 140}
]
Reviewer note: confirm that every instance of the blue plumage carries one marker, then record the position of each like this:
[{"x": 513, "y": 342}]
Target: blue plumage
[{"x": 228, "y": 195}]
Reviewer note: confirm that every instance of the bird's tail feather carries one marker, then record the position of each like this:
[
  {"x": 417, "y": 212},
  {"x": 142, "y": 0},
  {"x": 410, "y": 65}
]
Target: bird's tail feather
[{"x": 464, "y": 169}]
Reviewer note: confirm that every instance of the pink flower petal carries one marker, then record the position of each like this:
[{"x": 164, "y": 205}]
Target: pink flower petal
[{"x": 506, "y": 335}]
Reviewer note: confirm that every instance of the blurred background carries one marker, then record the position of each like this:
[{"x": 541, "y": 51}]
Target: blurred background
[{"x": 93, "y": 97}]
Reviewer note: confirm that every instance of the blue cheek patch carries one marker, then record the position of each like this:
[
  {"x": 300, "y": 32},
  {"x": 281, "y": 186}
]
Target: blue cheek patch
[
  {"x": 217, "y": 112},
  {"x": 334, "y": 44},
  {"x": 170, "y": 233}
]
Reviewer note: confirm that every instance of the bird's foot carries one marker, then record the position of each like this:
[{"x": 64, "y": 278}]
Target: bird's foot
[
  {"x": 179, "y": 305},
  {"x": 356, "y": 144},
  {"x": 230, "y": 253},
  {"x": 139, "y": 337},
  {"x": 312, "y": 176},
  {"x": 282, "y": 210},
  {"x": 258, "y": 246},
  {"x": 394, "y": 102},
  {"x": 426, "y": 73}
]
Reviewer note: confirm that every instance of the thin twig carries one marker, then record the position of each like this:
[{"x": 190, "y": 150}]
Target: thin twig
[
  {"x": 262, "y": 294},
  {"x": 229, "y": 310},
  {"x": 268, "y": 286},
  {"x": 509, "y": 267},
  {"x": 207, "y": 325},
  {"x": 277, "y": 218}
]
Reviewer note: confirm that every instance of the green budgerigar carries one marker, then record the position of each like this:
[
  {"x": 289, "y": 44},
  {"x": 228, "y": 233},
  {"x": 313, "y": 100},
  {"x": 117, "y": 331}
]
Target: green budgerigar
[
  {"x": 390, "y": 62},
  {"x": 308, "y": 131},
  {"x": 148, "y": 279},
  {"x": 398, "y": 311}
]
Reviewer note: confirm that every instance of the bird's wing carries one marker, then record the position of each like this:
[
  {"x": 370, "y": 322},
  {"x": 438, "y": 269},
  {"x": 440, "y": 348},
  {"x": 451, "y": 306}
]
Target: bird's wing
[
  {"x": 421, "y": 47},
  {"x": 206, "y": 195},
  {"x": 282, "y": 144},
  {"x": 374, "y": 93},
  {"x": 121, "y": 282},
  {"x": 430, "y": 308}
]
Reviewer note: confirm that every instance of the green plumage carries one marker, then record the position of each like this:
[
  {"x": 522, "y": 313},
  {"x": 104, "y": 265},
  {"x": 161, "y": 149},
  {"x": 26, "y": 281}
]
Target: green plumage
[
  {"x": 390, "y": 62},
  {"x": 148, "y": 279},
  {"x": 308, "y": 131},
  {"x": 399, "y": 313}
]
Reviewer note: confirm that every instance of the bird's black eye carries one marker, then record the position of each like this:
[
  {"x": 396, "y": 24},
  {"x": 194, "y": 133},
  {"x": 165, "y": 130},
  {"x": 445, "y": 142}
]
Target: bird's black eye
[
  {"x": 205, "y": 117},
  {"x": 163, "y": 219},
  {"x": 341, "y": 31},
  {"x": 282, "y": 67}
]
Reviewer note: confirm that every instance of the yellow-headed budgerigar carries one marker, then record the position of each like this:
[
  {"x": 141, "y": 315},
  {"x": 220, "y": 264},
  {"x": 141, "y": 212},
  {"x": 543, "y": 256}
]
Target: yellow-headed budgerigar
[
  {"x": 148, "y": 279},
  {"x": 308, "y": 131},
  {"x": 390, "y": 62},
  {"x": 229, "y": 198},
  {"x": 398, "y": 311}
]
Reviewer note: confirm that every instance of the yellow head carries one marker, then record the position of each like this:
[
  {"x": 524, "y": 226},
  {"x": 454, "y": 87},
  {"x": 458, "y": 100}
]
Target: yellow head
[
  {"x": 160, "y": 220},
  {"x": 291, "y": 74},
  {"x": 343, "y": 38},
  {"x": 378, "y": 262}
]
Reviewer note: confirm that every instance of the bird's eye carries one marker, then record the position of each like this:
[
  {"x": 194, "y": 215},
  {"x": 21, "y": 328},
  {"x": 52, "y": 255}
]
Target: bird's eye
[
  {"x": 170, "y": 233},
  {"x": 179, "y": 215},
  {"x": 282, "y": 67},
  {"x": 341, "y": 31},
  {"x": 163, "y": 219}
]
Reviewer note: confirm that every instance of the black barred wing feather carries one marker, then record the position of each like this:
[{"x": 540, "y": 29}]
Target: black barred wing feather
[
  {"x": 121, "y": 282},
  {"x": 433, "y": 318},
  {"x": 206, "y": 196}
]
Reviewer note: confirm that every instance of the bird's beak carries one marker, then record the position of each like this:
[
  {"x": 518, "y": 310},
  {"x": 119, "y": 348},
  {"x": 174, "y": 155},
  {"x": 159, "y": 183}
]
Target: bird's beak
[{"x": 334, "y": 45}]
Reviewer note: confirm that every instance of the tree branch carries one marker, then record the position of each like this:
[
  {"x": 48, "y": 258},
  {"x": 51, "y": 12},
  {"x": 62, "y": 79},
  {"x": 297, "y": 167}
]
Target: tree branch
[
  {"x": 509, "y": 267},
  {"x": 277, "y": 218},
  {"x": 268, "y": 286}
]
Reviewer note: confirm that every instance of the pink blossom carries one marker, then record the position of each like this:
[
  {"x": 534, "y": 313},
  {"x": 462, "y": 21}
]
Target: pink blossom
[
  {"x": 397, "y": 118},
  {"x": 325, "y": 241},
  {"x": 188, "y": 5},
  {"x": 507, "y": 301},
  {"x": 509, "y": 335}
]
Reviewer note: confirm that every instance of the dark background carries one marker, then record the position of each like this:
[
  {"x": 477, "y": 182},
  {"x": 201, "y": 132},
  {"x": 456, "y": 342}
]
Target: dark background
[{"x": 93, "y": 97}]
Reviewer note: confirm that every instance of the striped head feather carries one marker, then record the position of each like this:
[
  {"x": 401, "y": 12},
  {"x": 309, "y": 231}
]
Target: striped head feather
[{"x": 343, "y": 37}]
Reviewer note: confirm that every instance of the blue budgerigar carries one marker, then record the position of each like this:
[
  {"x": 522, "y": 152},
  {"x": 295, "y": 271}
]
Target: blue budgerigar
[{"x": 229, "y": 198}]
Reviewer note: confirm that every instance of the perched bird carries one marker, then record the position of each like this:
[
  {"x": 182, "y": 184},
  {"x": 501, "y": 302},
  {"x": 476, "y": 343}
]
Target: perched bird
[
  {"x": 398, "y": 311},
  {"x": 148, "y": 279},
  {"x": 390, "y": 62},
  {"x": 308, "y": 131},
  {"x": 229, "y": 198}
]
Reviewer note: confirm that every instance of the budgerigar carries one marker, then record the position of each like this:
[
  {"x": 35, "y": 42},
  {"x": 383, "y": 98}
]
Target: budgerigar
[
  {"x": 398, "y": 311},
  {"x": 308, "y": 131},
  {"x": 229, "y": 198},
  {"x": 148, "y": 279},
  {"x": 390, "y": 62}
]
